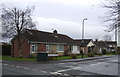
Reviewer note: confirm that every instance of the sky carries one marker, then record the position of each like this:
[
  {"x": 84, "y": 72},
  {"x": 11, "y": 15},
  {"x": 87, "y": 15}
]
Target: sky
[{"x": 66, "y": 16}]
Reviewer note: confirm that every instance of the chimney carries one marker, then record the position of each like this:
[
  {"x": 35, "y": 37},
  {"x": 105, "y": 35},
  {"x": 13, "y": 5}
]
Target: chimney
[
  {"x": 96, "y": 40},
  {"x": 55, "y": 32}
]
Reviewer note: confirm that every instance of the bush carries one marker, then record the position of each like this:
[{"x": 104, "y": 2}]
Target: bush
[
  {"x": 90, "y": 54},
  {"x": 67, "y": 52},
  {"x": 104, "y": 51},
  {"x": 73, "y": 56},
  {"x": 97, "y": 53}
]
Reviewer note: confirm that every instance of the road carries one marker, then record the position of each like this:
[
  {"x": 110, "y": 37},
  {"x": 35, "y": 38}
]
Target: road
[{"x": 106, "y": 66}]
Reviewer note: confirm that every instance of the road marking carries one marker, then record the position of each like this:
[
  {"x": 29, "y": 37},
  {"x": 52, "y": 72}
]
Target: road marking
[
  {"x": 75, "y": 68},
  {"x": 44, "y": 71},
  {"x": 55, "y": 73},
  {"x": 63, "y": 70},
  {"x": 5, "y": 64},
  {"x": 66, "y": 74},
  {"x": 58, "y": 72},
  {"x": 26, "y": 68},
  {"x": 96, "y": 64},
  {"x": 18, "y": 66}
]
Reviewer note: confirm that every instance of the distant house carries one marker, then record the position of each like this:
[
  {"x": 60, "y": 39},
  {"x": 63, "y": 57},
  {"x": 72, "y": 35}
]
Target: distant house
[
  {"x": 87, "y": 46},
  {"x": 35, "y": 41},
  {"x": 109, "y": 46}
]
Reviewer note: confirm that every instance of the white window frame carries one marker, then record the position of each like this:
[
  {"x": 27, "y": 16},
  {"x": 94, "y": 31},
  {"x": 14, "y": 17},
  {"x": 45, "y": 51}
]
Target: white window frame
[
  {"x": 48, "y": 48},
  {"x": 35, "y": 48},
  {"x": 60, "y": 50}
]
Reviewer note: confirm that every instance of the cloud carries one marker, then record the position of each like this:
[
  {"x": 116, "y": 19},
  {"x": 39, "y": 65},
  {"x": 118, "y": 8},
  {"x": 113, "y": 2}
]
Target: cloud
[
  {"x": 64, "y": 15},
  {"x": 72, "y": 29}
]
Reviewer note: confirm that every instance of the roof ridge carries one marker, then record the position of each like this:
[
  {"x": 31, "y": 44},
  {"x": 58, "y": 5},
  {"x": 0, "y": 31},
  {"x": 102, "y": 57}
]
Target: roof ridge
[{"x": 47, "y": 32}]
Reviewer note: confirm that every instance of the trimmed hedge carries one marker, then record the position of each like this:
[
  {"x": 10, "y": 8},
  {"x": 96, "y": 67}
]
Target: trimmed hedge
[{"x": 6, "y": 50}]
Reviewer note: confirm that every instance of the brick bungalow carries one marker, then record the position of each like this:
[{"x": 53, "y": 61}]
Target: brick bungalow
[
  {"x": 35, "y": 41},
  {"x": 87, "y": 46},
  {"x": 109, "y": 46}
]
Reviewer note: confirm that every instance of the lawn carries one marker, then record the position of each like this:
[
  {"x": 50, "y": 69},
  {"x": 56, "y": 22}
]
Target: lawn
[
  {"x": 66, "y": 57},
  {"x": 9, "y": 58},
  {"x": 17, "y": 59}
]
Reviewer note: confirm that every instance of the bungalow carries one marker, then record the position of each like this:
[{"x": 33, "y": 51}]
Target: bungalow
[
  {"x": 87, "y": 46},
  {"x": 34, "y": 41},
  {"x": 109, "y": 46}
]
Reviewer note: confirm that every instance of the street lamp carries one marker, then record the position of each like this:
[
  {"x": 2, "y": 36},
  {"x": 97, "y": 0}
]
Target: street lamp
[{"x": 83, "y": 34}]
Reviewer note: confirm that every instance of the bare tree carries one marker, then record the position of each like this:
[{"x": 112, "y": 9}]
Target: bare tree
[
  {"x": 14, "y": 21},
  {"x": 113, "y": 15},
  {"x": 107, "y": 38}
]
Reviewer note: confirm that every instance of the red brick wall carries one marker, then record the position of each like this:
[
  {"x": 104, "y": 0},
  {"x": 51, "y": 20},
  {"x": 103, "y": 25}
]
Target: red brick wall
[
  {"x": 41, "y": 48},
  {"x": 65, "y": 47},
  {"x": 25, "y": 48}
]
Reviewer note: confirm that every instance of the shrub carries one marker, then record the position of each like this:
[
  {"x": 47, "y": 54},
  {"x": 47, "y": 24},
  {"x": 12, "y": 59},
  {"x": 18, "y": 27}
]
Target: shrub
[
  {"x": 73, "y": 56},
  {"x": 104, "y": 51},
  {"x": 97, "y": 53},
  {"x": 67, "y": 52},
  {"x": 90, "y": 54}
]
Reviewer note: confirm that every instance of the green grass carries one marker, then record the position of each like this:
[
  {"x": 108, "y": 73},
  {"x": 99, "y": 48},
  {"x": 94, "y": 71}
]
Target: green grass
[
  {"x": 9, "y": 58},
  {"x": 66, "y": 57},
  {"x": 62, "y": 57}
]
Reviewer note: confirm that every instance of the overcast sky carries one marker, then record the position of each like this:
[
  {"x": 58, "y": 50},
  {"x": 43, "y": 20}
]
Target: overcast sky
[{"x": 66, "y": 16}]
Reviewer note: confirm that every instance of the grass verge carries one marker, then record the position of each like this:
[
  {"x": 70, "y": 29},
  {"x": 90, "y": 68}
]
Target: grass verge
[{"x": 9, "y": 58}]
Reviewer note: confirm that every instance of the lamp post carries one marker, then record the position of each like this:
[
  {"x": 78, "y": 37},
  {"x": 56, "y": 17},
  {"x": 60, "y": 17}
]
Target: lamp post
[{"x": 83, "y": 35}]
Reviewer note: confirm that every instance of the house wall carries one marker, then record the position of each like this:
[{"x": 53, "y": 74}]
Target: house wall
[
  {"x": 84, "y": 49},
  {"x": 75, "y": 49},
  {"x": 25, "y": 48},
  {"x": 90, "y": 44},
  {"x": 53, "y": 49},
  {"x": 41, "y": 48},
  {"x": 66, "y": 48}
]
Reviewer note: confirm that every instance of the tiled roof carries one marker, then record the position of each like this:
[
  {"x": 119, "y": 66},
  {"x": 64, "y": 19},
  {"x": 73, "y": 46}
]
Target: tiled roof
[
  {"x": 104, "y": 44},
  {"x": 79, "y": 41},
  {"x": 47, "y": 37}
]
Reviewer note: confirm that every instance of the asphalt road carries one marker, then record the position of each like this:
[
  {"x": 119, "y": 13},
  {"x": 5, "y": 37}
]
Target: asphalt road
[{"x": 97, "y": 67}]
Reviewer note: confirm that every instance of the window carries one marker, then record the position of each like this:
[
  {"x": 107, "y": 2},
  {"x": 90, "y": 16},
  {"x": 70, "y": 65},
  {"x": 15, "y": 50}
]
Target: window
[
  {"x": 60, "y": 48},
  {"x": 110, "y": 45},
  {"x": 34, "y": 47},
  {"x": 47, "y": 47}
]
